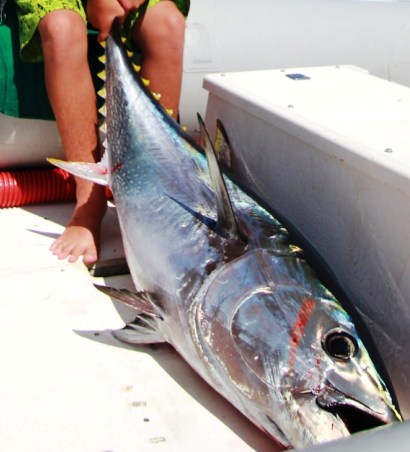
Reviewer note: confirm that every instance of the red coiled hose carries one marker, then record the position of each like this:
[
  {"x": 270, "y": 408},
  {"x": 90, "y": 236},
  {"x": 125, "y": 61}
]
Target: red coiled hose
[{"x": 23, "y": 187}]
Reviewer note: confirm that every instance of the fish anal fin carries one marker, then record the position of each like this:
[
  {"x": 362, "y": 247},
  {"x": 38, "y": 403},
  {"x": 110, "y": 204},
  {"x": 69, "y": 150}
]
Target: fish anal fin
[{"x": 140, "y": 301}]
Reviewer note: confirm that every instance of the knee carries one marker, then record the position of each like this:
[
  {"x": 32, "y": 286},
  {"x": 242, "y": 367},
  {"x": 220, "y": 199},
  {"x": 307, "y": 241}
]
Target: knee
[
  {"x": 171, "y": 24},
  {"x": 164, "y": 31},
  {"x": 63, "y": 34}
]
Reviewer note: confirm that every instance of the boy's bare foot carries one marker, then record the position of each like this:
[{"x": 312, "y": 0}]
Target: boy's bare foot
[
  {"x": 77, "y": 241},
  {"x": 81, "y": 237}
]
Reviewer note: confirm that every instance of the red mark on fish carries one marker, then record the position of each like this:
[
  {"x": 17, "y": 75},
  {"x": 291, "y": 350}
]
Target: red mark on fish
[
  {"x": 296, "y": 334},
  {"x": 117, "y": 167}
]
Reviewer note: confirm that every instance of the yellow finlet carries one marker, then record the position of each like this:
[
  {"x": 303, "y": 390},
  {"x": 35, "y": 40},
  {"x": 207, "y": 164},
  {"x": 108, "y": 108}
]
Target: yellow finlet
[
  {"x": 170, "y": 111},
  {"x": 103, "y": 110},
  {"x": 130, "y": 54},
  {"x": 157, "y": 96},
  {"x": 123, "y": 39},
  {"x": 103, "y": 44},
  {"x": 136, "y": 67},
  {"x": 103, "y": 128},
  {"x": 102, "y": 58},
  {"x": 145, "y": 81},
  {"x": 102, "y": 75},
  {"x": 102, "y": 93}
]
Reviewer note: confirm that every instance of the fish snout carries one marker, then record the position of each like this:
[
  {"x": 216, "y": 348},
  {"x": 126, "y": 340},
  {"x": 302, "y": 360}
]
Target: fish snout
[{"x": 360, "y": 403}]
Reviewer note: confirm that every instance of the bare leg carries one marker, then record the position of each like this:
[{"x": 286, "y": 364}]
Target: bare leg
[
  {"x": 71, "y": 93},
  {"x": 160, "y": 37}
]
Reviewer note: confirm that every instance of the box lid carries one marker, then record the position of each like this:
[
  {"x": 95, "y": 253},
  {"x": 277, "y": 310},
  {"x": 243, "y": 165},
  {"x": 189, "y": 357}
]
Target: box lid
[{"x": 362, "y": 116}]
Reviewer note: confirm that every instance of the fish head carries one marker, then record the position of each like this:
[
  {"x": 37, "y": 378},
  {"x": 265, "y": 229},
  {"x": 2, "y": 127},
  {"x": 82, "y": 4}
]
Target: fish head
[
  {"x": 349, "y": 390},
  {"x": 298, "y": 366},
  {"x": 335, "y": 387}
]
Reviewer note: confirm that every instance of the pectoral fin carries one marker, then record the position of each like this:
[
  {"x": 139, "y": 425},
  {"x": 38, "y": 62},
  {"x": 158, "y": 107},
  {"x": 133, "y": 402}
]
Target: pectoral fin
[
  {"x": 140, "y": 301},
  {"x": 145, "y": 329}
]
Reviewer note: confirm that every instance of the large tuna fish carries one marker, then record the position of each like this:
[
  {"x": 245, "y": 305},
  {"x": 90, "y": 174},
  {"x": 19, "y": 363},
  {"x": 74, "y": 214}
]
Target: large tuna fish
[{"x": 217, "y": 276}]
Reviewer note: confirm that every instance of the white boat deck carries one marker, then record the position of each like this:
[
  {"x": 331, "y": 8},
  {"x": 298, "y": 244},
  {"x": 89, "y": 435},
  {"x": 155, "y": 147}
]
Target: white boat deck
[{"x": 67, "y": 384}]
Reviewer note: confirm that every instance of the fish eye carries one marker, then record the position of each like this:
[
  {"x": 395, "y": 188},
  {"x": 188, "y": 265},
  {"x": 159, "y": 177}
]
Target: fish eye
[{"x": 340, "y": 345}]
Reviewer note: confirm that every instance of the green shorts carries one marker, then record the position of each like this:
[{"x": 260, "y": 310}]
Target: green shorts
[
  {"x": 30, "y": 13},
  {"x": 22, "y": 90}
]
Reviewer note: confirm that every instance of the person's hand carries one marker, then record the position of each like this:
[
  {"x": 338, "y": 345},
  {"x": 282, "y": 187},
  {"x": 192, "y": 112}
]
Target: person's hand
[{"x": 101, "y": 14}]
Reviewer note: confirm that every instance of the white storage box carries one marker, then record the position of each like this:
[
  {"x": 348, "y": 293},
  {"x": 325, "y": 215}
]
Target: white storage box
[{"x": 329, "y": 149}]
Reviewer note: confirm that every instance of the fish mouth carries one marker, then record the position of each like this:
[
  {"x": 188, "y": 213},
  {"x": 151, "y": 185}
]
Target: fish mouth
[
  {"x": 356, "y": 416},
  {"x": 355, "y": 419}
]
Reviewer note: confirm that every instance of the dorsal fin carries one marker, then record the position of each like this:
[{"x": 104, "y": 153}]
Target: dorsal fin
[
  {"x": 222, "y": 146},
  {"x": 226, "y": 225}
]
